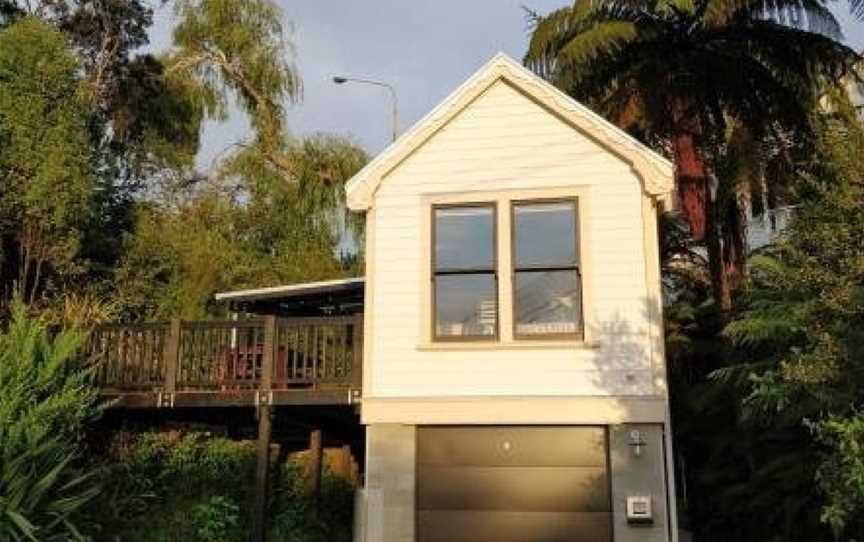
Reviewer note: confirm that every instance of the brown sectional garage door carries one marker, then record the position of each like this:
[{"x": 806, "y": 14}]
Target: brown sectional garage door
[{"x": 512, "y": 484}]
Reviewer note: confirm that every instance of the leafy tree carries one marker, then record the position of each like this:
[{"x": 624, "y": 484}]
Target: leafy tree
[
  {"x": 239, "y": 45},
  {"x": 45, "y": 402},
  {"x": 798, "y": 335},
  {"x": 686, "y": 76},
  {"x": 46, "y": 171},
  {"x": 245, "y": 229}
]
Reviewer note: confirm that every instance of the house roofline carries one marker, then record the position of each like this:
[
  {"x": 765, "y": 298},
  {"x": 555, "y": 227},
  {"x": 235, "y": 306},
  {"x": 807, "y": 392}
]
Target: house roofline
[{"x": 656, "y": 172}]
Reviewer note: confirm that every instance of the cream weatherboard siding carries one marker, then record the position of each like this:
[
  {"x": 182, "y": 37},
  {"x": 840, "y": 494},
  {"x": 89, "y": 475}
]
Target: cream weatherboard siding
[
  {"x": 506, "y": 135},
  {"x": 505, "y": 142}
]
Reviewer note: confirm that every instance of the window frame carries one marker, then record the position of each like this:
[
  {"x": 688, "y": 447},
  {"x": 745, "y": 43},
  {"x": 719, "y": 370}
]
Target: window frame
[
  {"x": 493, "y": 270},
  {"x": 578, "y": 335}
]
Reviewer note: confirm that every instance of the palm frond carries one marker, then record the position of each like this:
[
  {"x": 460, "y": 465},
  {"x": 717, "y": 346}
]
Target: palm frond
[{"x": 602, "y": 39}]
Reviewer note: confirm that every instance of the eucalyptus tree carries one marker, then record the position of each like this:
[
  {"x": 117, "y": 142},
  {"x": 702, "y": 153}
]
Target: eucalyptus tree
[{"x": 684, "y": 75}]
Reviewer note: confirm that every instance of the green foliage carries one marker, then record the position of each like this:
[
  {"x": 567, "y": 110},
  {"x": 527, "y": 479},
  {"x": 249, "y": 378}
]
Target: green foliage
[
  {"x": 240, "y": 45},
  {"x": 216, "y": 520},
  {"x": 841, "y": 473},
  {"x": 200, "y": 488},
  {"x": 250, "y": 230},
  {"x": 719, "y": 84},
  {"x": 799, "y": 332},
  {"x": 46, "y": 401},
  {"x": 46, "y": 173},
  {"x": 175, "y": 477}
]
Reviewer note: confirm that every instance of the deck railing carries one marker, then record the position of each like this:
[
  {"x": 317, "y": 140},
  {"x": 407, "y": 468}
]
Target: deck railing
[{"x": 269, "y": 353}]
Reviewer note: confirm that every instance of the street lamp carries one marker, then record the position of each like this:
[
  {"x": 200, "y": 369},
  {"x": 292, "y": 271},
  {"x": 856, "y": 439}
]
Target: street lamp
[{"x": 341, "y": 80}]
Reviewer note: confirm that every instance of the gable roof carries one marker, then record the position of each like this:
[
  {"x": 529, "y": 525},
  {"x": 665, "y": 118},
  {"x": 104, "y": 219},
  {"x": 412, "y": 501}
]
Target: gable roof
[{"x": 657, "y": 173}]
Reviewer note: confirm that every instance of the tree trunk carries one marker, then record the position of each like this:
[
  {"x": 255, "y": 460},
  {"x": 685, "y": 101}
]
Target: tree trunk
[
  {"x": 717, "y": 268},
  {"x": 698, "y": 205},
  {"x": 692, "y": 179}
]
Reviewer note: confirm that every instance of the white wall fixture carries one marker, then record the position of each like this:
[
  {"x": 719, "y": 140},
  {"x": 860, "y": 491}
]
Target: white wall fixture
[
  {"x": 639, "y": 509},
  {"x": 637, "y": 441}
]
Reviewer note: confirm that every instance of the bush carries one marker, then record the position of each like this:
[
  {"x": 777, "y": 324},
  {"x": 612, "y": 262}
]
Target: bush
[
  {"x": 46, "y": 399},
  {"x": 181, "y": 479},
  {"x": 292, "y": 514},
  {"x": 216, "y": 520},
  {"x": 200, "y": 488}
]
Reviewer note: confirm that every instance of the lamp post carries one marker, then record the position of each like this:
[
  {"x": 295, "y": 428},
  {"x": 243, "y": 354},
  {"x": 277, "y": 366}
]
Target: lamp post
[{"x": 394, "y": 112}]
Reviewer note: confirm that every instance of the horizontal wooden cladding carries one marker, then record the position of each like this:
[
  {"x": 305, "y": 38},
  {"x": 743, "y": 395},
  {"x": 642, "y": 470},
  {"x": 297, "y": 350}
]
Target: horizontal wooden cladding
[
  {"x": 511, "y": 446},
  {"x": 514, "y": 410},
  {"x": 501, "y": 526}
]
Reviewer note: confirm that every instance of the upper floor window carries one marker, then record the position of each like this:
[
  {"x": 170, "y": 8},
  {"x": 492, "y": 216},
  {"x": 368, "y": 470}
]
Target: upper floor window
[
  {"x": 465, "y": 284},
  {"x": 546, "y": 275}
]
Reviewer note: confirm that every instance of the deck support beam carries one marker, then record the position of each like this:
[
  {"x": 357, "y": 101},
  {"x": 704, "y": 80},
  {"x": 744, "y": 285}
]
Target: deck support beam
[
  {"x": 265, "y": 428},
  {"x": 314, "y": 468},
  {"x": 262, "y": 474}
]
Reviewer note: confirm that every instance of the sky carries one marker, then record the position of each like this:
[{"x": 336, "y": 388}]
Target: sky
[{"x": 424, "y": 48}]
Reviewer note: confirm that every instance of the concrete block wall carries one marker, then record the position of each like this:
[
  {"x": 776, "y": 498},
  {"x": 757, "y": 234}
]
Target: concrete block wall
[
  {"x": 638, "y": 476},
  {"x": 390, "y": 483}
]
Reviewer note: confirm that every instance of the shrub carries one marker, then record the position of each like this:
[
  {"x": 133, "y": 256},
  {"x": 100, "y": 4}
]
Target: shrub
[
  {"x": 216, "y": 520},
  {"x": 180, "y": 478},
  {"x": 46, "y": 399},
  {"x": 201, "y": 489}
]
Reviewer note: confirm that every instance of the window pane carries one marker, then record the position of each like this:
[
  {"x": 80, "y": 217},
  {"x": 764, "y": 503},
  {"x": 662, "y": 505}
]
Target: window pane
[
  {"x": 465, "y": 305},
  {"x": 464, "y": 238},
  {"x": 545, "y": 234},
  {"x": 548, "y": 302}
]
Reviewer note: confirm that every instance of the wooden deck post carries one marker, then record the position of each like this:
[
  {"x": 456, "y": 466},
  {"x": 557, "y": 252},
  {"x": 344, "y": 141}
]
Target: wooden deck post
[
  {"x": 172, "y": 356},
  {"x": 314, "y": 467},
  {"x": 357, "y": 347},
  {"x": 265, "y": 426}
]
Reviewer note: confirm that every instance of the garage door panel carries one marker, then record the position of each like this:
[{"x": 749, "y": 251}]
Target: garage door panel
[
  {"x": 558, "y": 489},
  {"x": 498, "y": 526},
  {"x": 512, "y": 484},
  {"x": 491, "y": 446}
]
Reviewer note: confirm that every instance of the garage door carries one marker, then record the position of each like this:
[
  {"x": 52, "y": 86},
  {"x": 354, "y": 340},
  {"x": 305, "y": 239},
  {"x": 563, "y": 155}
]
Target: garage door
[{"x": 509, "y": 484}]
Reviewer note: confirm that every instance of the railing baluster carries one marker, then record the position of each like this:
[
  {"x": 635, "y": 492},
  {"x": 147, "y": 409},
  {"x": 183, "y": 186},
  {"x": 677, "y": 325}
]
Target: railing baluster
[{"x": 295, "y": 347}]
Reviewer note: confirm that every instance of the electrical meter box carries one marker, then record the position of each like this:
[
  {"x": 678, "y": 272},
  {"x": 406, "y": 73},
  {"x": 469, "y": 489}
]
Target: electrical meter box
[{"x": 639, "y": 510}]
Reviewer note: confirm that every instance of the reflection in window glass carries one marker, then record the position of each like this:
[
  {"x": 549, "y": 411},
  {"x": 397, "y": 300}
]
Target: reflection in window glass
[
  {"x": 548, "y": 303},
  {"x": 465, "y": 305},
  {"x": 547, "y": 283},
  {"x": 465, "y": 284},
  {"x": 464, "y": 238},
  {"x": 545, "y": 234}
]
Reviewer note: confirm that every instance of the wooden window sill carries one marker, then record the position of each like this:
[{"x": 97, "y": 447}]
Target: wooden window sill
[{"x": 510, "y": 345}]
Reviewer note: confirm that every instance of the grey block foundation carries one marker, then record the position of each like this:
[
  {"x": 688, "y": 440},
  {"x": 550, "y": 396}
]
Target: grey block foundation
[
  {"x": 638, "y": 475},
  {"x": 390, "y": 483}
]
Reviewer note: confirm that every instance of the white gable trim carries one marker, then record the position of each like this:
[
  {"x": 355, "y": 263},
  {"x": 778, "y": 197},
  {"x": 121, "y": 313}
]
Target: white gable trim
[{"x": 656, "y": 172}]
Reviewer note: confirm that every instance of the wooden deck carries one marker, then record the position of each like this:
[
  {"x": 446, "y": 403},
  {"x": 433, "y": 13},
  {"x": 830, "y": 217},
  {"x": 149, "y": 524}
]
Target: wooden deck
[{"x": 270, "y": 361}]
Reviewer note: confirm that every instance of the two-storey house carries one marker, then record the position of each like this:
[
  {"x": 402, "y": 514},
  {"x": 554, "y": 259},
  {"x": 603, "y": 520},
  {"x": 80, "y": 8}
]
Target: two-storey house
[{"x": 514, "y": 380}]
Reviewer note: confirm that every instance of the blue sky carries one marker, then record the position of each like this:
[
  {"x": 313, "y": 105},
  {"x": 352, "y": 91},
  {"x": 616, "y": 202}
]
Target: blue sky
[{"x": 425, "y": 48}]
